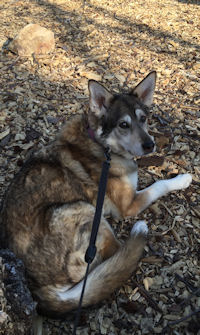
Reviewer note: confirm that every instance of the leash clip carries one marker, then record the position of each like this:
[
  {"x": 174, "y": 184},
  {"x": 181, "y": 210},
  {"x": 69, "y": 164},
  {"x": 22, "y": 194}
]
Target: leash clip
[{"x": 90, "y": 253}]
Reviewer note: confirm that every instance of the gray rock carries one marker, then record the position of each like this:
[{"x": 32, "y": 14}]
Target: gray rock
[{"x": 32, "y": 39}]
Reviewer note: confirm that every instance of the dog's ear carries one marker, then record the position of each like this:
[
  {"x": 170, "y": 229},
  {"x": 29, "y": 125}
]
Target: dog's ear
[
  {"x": 100, "y": 98},
  {"x": 145, "y": 89}
]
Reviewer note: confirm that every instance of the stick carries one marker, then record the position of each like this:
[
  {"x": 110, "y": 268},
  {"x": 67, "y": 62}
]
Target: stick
[
  {"x": 186, "y": 282},
  {"x": 146, "y": 295},
  {"x": 172, "y": 323}
]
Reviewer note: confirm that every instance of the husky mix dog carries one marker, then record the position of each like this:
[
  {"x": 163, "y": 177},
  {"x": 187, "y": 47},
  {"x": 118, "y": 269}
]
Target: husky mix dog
[{"x": 48, "y": 209}]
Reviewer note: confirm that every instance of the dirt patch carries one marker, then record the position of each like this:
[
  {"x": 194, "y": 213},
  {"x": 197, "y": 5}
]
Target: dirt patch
[{"x": 118, "y": 42}]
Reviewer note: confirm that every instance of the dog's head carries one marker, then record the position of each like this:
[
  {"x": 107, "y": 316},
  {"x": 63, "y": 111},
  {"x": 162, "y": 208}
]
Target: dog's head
[{"x": 119, "y": 121}]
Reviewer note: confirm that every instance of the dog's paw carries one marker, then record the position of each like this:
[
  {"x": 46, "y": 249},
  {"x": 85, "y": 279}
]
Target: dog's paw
[
  {"x": 182, "y": 181},
  {"x": 140, "y": 227}
]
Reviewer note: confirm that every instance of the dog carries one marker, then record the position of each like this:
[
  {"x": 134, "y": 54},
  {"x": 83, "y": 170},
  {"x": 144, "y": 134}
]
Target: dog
[{"x": 49, "y": 207}]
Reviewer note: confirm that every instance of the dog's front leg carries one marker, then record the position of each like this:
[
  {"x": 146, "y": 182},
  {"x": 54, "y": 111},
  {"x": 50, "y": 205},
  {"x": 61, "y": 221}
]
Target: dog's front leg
[{"x": 160, "y": 188}]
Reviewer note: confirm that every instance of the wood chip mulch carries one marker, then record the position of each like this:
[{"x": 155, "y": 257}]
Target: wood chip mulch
[{"x": 118, "y": 42}]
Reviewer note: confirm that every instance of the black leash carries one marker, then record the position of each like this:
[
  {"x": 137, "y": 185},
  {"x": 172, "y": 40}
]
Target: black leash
[{"x": 91, "y": 250}]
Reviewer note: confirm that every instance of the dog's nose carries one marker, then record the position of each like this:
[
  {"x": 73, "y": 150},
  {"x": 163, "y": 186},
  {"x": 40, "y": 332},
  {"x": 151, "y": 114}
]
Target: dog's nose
[{"x": 148, "y": 146}]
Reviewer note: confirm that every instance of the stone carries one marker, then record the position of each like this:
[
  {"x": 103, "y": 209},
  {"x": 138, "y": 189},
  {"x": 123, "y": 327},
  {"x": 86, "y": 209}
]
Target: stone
[{"x": 32, "y": 39}]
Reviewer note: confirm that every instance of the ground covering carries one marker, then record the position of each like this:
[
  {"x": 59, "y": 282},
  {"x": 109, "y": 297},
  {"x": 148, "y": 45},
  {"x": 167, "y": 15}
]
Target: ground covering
[{"x": 118, "y": 42}]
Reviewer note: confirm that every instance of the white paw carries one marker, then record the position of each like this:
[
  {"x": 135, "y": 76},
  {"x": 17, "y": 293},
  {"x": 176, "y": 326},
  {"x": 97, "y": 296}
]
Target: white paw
[
  {"x": 182, "y": 181},
  {"x": 140, "y": 227}
]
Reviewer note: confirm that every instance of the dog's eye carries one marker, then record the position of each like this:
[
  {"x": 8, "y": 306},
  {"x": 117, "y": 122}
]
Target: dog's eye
[
  {"x": 143, "y": 119},
  {"x": 124, "y": 125}
]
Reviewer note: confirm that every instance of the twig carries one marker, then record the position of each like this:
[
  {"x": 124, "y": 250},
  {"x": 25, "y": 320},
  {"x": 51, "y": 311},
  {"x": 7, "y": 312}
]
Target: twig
[
  {"x": 190, "y": 107},
  {"x": 146, "y": 295},
  {"x": 184, "y": 318},
  {"x": 15, "y": 61},
  {"x": 167, "y": 209},
  {"x": 186, "y": 282}
]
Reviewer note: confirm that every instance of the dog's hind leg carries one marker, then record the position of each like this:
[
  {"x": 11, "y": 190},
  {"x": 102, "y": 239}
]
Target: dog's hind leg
[
  {"x": 160, "y": 188},
  {"x": 102, "y": 280}
]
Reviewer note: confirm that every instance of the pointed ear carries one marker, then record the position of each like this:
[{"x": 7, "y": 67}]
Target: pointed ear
[
  {"x": 145, "y": 89},
  {"x": 100, "y": 98}
]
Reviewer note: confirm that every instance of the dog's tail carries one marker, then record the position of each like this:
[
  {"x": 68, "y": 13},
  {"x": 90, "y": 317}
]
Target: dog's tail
[{"x": 102, "y": 280}]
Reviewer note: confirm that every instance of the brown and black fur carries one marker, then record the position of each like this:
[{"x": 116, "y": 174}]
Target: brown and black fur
[{"x": 48, "y": 209}]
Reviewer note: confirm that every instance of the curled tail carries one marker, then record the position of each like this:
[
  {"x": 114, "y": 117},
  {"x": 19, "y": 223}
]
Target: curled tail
[{"x": 102, "y": 280}]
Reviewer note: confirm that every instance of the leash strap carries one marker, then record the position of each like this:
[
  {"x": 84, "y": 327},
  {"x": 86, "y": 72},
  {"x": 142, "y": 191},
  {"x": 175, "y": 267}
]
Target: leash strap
[{"x": 91, "y": 250}]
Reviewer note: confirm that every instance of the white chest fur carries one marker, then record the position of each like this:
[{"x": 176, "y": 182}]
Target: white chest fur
[
  {"x": 127, "y": 168},
  {"x": 132, "y": 179}
]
